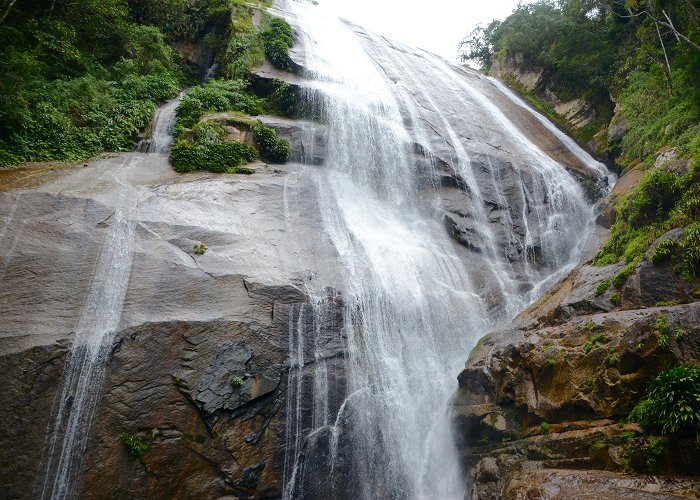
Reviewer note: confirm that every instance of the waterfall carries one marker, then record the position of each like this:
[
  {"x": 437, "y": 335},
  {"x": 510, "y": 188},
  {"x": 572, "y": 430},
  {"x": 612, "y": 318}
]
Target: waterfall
[
  {"x": 414, "y": 301},
  {"x": 76, "y": 403}
]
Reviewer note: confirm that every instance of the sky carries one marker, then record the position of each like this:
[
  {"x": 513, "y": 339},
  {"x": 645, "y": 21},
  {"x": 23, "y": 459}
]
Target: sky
[{"x": 434, "y": 25}]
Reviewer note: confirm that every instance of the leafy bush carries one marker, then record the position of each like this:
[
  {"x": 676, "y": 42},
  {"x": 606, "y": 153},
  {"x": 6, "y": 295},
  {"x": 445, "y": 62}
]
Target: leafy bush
[
  {"x": 272, "y": 147},
  {"x": 223, "y": 157},
  {"x": 277, "y": 39},
  {"x": 208, "y": 133},
  {"x": 672, "y": 404},
  {"x": 217, "y": 95}
]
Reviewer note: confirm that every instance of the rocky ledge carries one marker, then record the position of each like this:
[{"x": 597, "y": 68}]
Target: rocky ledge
[{"x": 542, "y": 403}]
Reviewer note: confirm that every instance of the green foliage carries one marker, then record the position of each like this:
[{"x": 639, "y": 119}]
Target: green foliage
[
  {"x": 544, "y": 427},
  {"x": 621, "y": 277},
  {"x": 666, "y": 303},
  {"x": 199, "y": 249},
  {"x": 672, "y": 404},
  {"x": 236, "y": 382},
  {"x": 551, "y": 362},
  {"x": 612, "y": 358},
  {"x": 243, "y": 50},
  {"x": 593, "y": 327},
  {"x": 588, "y": 384},
  {"x": 639, "y": 453},
  {"x": 208, "y": 133},
  {"x": 283, "y": 100},
  {"x": 602, "y": 288},
  {"x": 138, "y": 444},
  {"x": 662, "y": 329},
  {"x": 272, "y": 147},
  {"x": 664, "y": 251},
  {"x": 678, "y": 335},
  {"x": 217, "y": 95},
  {"x": 615, "y": 299},
  {"x": 78, "y": 79},
  {"x": 277, "y": 39},
  {"x": 180, "y": 19},
  {"x": 592, "y": 342},
  {"x": 224, "y": 157}
]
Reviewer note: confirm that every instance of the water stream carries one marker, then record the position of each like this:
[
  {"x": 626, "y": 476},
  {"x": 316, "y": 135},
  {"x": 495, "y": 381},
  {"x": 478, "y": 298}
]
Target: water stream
[
  {"x": 75, "y": 406},
  {"x": 414, "y": 302}
]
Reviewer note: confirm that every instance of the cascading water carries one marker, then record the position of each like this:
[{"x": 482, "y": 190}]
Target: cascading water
[
  {"x": 414, "y": 300},
  {"x": 99, "y": 319}
]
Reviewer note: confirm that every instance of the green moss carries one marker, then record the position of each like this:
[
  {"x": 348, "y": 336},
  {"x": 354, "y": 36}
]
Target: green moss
[
  {"x": 199, "y": 249},
  {"x": 615, "y": 299},
  {"x": 544, "y": 427}
]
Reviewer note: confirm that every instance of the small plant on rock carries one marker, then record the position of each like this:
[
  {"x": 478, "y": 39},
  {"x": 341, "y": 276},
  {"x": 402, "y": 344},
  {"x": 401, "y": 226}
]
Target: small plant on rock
[
  {"x": 672, "y": 404},
  {"x": 612, "y": 358},
  {"x": 544, "y": 427},
  {"x": 614, "y": 299},
  {"x": 602, "y": 288},
  {"x": 663, "y": 330},
  {"x": 236, "y": 382},
  {"x": 199, "y": 248},
  {"x": 591, "y": 343}
]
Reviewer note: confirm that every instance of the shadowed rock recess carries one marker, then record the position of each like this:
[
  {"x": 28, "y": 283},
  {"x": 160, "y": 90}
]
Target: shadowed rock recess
[{"x": 312, "y": 351}]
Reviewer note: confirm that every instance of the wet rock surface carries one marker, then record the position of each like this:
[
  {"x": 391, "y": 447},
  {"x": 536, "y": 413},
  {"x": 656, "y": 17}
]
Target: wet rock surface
[{"x": 198, "y": 365}]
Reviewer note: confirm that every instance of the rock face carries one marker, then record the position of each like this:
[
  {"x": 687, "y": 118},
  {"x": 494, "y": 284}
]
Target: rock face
[
  {"x": 578, "y": 113},
  {"x": 538, "y": 399},
  {"x": 201, "y": 351}
]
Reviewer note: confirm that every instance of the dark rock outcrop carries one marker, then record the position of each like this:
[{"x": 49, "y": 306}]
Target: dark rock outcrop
[{"x": 538, "y": 399}]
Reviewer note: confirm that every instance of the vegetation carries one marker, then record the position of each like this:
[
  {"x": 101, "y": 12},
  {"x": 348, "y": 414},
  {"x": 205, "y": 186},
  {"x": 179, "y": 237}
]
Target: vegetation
[
  {"x": 544, "y": 427},
  {"x": 645, "y": 53},
  {"x": 272, "y": 147},
  {"x": 236, "y": 382},
  {"x": 137, "y": 444},
  {"x": 602, "y": 288},
  {"x": 672, "y": 404},
  {"x": 277, "y": 39},
  {"x": 225, "y": 157},
  {"x": 591, "y": 343},
  {"x": 662, "y": 329},
  {"x": 661, "y": 201},
  {"x": 78, "y": 78},
  {"x": 199, "y": 249},
  {"x": 216, "y": 95}
]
